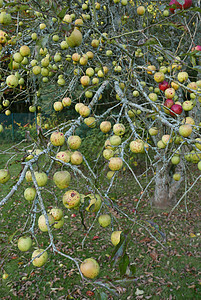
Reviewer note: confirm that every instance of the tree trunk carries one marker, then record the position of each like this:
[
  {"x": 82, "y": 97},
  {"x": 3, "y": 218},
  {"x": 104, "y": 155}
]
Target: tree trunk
[{"x": 165, "y": 186}]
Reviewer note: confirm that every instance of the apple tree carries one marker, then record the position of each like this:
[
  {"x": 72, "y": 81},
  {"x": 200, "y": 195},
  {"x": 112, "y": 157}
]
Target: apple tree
[{"x": 125, "y": 69}]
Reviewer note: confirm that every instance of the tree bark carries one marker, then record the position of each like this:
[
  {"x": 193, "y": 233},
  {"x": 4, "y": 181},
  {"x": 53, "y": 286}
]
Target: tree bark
[{"x": 166, "y": 187}]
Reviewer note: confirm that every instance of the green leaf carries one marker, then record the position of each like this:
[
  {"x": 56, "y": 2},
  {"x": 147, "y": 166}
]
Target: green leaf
[
  {"x": 195, "y": 9},
  {"x": 150, "y": 41},
  {"x": 132, "y": 269},
  {"x": 10, "y": 4},
  {"x": 177, "y": 25},
  {"x": 101, "y": 296},
  {"x": 10, "y": 65},
  {"x": 10, "y": 238},
  {"x": 120, "y": 248},
  {"x": 62, "y": 13},
  {"x": 123, "y": 264},
  {"x": 197, "y": 68},
  {"x": 54, "y": 7},
  {"x": 44, "y": 40}
]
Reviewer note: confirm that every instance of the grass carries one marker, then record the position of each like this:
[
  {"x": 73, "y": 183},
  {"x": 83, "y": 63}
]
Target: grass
[{"x": 161, "y": 272}]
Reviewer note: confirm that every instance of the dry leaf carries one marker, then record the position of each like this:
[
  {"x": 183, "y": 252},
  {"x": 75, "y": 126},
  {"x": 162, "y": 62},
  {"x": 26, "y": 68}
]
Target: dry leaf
[{"x": 139, "y": 292}]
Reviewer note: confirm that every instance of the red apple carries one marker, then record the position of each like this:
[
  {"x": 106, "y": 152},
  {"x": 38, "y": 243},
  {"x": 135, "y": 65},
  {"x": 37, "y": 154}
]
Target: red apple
[
  {"x": 164, "y": 85},
  {"x": 198, "y": 48},
  {"x": 187, "y": 4},
  {"x": 176, "y": 109},
  {"x": 168, "y": 103}
]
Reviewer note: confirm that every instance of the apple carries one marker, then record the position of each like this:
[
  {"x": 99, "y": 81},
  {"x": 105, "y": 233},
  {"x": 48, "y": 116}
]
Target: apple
[
  {"x": 115, "y": 140},
  {"x": 32, "y": 108},
  {"x": 57, "y": 213},
  {"x": 185, "y": 5},
  {"x": 198, "y": 145},
  {"x": 166, "y": 139},
  {"x": 84, "y": 111},
  {"x": 185, "y": 130},
  {"x": 36, "y": 70},
  {"x": 195, "y": 157},
  {"x": 192, "y": 85},
  {"x": 119, "y": 129},
  {"x": 90, "y": 268},
  {"x": 76, "y": 57},
  {"x": 41, "y": 260},
  {"x": 5, "y": 18},
  {"x": 42, "y": 26},
  {"x": 76, "y": 158},
  {"x": 1, "y": 128},
  {"x": 95, "y": 43},
  {"x": 198, "y": 48},
  {"x": 187, "y": 105},
  {"x": 174, "y": 85},
  {"x": 175, "y": 160},
  {"x": 41, "y": 178},
  {"x": 110, "y": 174},
  {"x": 115, "y": 163},
  {"x": 58, "y": 106},
  {"x": 188, "y": 120},
  {"x": 85, "y": 80},
  {"x": 115, "y": 237},
  {"x": 164, "y": 85},
  {"x": 137, "y": 146},
  {"x": 57, "y": 138},
  {"x": 199, "y": 165},
  {"x": 161, "y": 145},
  {"x": 7, "y": 112},
  {"x": 58, "y": 224},
  {"x": 28, "y": 176},
  {"x": 12, "y": 81},
  {"x": 25, "y": 50},
  {"x": 24, "y": 243},
  {"x": 141, "y": 10},
  {"x": 176, "y": 109},
  {"x": 151, "y": 69},
  {"x": 136, "y": 93},
  {"x": 42, "y": 222},
  {"x": 104, "y": 220},
  {"x": 17, "y": 57},
  {"x": 169, "y": 93},
  {"x": 75, "y": 39},
  {"x": 30, "y": 193},
  {"x": 177, "y": 176},
  {"x": 83, "y": 61},
  {"x": 74, "y": 142},
  {"x": 78, "y": 106},
  {"x": 66, "y": 101},
  {"x": 182, "y": 76},
  {"x": 67, "y": 19},
  {"x": 105, "y": 126},
  {"x": 64, "y": 156},
  {"x": 71, "y": 199},
  {"x": 5, "y": 275},
  {"x": 94, "y": 204},
  {"x": 153, "y": 131},
  {"x": 62, "y": 179},
  {"x": 90, "y": 122},
  {"x": 153, "y": 97},
  {"x": 159, "y": 77},
  {"x": 108, "y": 153},
  {"x": 4, "y": 175}
]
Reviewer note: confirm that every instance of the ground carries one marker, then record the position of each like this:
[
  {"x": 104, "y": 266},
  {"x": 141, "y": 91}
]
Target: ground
[{"x": 166, "y": 270}]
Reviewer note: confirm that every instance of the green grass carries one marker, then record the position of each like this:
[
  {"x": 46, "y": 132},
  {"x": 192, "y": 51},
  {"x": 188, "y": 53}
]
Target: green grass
[{"x": 160, "y": 272}]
